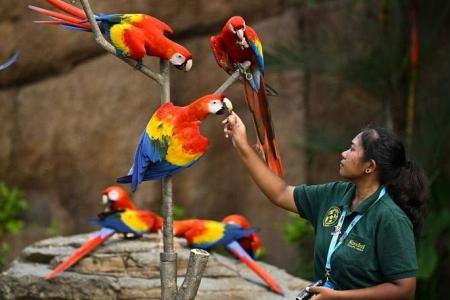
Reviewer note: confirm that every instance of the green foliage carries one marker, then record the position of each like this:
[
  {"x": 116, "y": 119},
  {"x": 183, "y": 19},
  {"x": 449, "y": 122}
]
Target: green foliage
[
  {"x": 12, "y": 204},
  {"x": 54, "y": 229},
  {"x": 299, "y": 232},
  {"x": 178, "y": 212}
]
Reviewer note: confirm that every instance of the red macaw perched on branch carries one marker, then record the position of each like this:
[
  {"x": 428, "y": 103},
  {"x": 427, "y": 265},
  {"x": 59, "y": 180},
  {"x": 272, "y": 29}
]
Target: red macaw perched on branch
[
  {"x": 133, "y": 35},
  {"x": 172, "y": 140},
  {"x": 206, "y": 234},
  {"x": 120, "y": 205},
  {"x": 236, "y": 44}
]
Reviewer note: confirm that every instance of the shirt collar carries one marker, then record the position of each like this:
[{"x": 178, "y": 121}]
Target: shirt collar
[{"x": 362, "y": 208}]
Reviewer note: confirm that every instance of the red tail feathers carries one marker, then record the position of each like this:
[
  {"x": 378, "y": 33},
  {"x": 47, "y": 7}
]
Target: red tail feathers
[
  {"x": 237, "y": 251},
  {"x": 90, "y": 245},
  {"x": 259, "y": 107}
]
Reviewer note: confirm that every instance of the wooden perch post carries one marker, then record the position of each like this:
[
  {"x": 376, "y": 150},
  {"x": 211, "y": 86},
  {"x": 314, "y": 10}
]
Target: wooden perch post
[{"x": 168, "y": 259}]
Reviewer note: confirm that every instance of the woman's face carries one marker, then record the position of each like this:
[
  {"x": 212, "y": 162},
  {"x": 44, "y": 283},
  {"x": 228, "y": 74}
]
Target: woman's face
[{"x": 352, "y": 165}]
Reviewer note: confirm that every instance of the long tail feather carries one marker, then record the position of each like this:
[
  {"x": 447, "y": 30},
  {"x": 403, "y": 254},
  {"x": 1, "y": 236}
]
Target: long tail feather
[
  {"x": 87, "y": 247},
  {"x": 240, "y": 253},
  {"x": 66, "y": 7},
  {"x": 259, "y": 107},
  {"x": 59, "y": 16}
]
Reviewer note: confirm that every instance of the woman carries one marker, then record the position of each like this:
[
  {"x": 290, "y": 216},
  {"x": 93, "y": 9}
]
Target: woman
[{"x": 375, "y": 213}]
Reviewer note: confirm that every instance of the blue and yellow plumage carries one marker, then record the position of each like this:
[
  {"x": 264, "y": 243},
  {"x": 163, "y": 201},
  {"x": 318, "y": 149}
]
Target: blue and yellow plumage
[{"x": 172, "y": 141}]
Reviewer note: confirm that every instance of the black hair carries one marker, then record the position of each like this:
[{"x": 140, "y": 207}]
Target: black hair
[{"x": 404, "y": 180}]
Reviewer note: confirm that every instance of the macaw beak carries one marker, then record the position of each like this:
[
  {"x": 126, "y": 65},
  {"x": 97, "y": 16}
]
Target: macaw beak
[
  {"x": 228, "y": 104},
  {"x": 186, "y": 66},
  {"x": 240, "y": 34}
]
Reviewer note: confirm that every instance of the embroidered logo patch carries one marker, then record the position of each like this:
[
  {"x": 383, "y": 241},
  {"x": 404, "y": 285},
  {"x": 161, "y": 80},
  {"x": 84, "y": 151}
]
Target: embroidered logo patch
[
  {"x": 331, "y": 216},
  {"x": 356, "y": 245}
]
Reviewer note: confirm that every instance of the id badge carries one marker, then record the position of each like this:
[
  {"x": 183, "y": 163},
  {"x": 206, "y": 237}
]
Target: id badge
[{"x": 328, "y": 284}]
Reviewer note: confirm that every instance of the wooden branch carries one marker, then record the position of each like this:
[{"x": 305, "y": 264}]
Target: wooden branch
[
  {"x": 198, "y": 260},
  {"x": 99, "y": 39},
  {"x": 235, "y": 76}
]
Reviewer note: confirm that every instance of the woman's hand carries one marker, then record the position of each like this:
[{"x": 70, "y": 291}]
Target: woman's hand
[
  {"x": 323, "y": 293},
  {"x": 235, "y": 129}
]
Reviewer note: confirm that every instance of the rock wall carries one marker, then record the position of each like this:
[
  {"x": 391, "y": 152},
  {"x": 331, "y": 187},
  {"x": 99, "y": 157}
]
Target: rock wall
[
  {"x": 72, "y": 115},
  {"x": 129, "y": 269}
]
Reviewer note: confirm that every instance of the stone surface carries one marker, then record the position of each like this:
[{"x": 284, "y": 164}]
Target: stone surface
[{"x": 129, "y": 269}]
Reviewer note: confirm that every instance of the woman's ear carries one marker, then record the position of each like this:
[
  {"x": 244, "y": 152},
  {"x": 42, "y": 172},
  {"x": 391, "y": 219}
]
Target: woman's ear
[{"x": 372, "y": 166}]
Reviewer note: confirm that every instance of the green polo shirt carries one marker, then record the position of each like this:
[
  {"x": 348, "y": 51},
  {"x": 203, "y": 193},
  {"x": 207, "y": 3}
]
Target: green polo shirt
[{"x": 381, "y": 246}]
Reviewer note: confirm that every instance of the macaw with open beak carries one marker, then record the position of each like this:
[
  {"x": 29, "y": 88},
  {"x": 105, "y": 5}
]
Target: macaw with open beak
[
  {"x": 172, "y": 140},
  {"x": 132, "y": 35},
  {"x": 236, "y": 44}
]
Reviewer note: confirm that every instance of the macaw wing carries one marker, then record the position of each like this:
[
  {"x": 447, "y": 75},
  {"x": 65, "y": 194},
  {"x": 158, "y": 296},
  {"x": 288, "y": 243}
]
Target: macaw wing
[
  {"x": 110, "y": 18},
  {"x": 163, "y": 169},
  {"x": 156, "y": 23},
  {"x": 256, "y": 46},
  {"x": 113, "y": 221},
  {"x": 220, "y": 54},
  {"x": 148, "y": 151},
  {"x": 215, "y": 237},
  {"x": 128, "y": 221}
]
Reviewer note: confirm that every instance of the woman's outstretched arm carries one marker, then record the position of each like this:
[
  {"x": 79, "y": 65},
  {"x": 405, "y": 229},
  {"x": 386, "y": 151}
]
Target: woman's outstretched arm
[{"x": 275, "y": 188}]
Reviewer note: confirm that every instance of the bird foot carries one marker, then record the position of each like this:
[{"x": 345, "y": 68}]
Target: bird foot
[
  {"x": 139, "y": 65},
  {"x": 243, "y": 70}
]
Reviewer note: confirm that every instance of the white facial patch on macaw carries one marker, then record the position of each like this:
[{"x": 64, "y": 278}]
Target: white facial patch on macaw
[
  {"x": 215, "y": 106},
  {"x": 113, "y": 195}
]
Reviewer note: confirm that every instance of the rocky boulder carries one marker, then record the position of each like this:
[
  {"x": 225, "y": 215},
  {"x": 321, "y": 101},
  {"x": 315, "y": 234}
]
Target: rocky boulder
[{"x": 129, "y": 269}]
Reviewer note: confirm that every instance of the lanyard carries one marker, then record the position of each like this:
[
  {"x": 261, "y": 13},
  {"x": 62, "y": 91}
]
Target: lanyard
[{"x": 333, "y": 246}]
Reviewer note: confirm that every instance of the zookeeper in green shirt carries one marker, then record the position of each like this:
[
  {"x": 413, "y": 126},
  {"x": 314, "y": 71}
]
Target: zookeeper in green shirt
[{"x": 365, "y": 226}]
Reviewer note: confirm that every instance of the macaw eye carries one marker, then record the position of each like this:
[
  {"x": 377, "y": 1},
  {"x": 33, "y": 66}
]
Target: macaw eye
[{"x": 113, "y": 195}]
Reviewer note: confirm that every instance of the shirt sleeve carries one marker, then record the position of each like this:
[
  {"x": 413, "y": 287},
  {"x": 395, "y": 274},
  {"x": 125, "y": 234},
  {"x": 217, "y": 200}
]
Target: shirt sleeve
[
  {"x": 310, "y": 198},
  {"x": 396, "y": 249}
]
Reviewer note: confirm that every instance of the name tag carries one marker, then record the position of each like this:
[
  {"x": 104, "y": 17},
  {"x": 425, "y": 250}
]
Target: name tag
[{"x": 356, "y": 245}]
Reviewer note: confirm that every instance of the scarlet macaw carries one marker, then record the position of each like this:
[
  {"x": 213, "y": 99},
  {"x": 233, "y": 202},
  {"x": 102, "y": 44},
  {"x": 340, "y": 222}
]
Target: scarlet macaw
[
  {"x": 236, "y": 44},
  {"x": 206, "y": 234},
  {"x": 130, "y": 221},
  {"x": 116, "y": 200},
  {"x": 172, "y": 140},
  {"x": 250, "y": 243},
  {"x": 10, "y": 61},
  {"x": 133, "y": 35}
]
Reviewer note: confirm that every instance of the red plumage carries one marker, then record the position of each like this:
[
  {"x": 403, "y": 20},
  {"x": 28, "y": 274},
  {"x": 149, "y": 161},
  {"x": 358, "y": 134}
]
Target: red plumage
[{"x": 236, "y": 44}]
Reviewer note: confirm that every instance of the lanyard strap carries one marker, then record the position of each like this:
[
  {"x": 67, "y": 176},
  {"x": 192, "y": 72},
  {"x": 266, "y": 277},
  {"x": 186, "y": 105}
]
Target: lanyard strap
[{"x": 334, "y": 240}]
